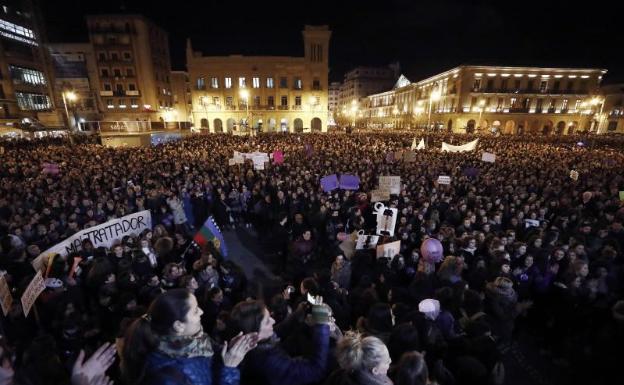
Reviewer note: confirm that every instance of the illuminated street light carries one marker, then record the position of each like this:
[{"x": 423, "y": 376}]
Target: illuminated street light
[
  {"x": 481, "y": 107},
  {"x": 72, "y": 97},
  {"x": 245, "y": 95},
  {"x": 433, "y": 97}
]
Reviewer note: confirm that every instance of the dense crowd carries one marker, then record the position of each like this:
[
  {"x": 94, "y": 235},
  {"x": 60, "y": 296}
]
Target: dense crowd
[{"x": 158, "y": 309}]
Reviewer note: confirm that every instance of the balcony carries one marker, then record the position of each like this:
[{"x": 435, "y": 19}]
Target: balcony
[
  {"x": 106, "y": 93},
  {"x": 519, "y": 110},
  {"x": 132, "y": 93},
  {"x": 296, "y": 107},
  {"x": 230, "y": 108},
  {"x": 282, "y": 108}
]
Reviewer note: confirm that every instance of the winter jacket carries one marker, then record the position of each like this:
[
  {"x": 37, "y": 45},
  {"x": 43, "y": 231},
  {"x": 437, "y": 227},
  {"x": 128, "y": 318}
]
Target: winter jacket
[
  {"x": 270, "y": 364},
  {"x": 165, "y": 370}
]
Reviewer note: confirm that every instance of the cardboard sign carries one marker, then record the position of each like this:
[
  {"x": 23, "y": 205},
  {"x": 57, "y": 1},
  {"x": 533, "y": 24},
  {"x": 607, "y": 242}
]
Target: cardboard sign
[
  {"x": 238, "y": 158},
  {"x": 443, "y": 179},
  {"x": 231, "y": 162},
  {"x": 35, "y": 287},
  {"x": 488, "y": 157},
  {"x": 6, "y": 300},
  {"x": 622, "y": 195},
  {"x": 380, "y": 196},
  {"x": 574, "y": 175},
  {"x": 390, "y": 183},
  {"x": 389, "y": 250}
]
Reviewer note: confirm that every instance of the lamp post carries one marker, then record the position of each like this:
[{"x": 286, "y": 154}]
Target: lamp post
[
  {"x": 245, "y": 95},
  {"x": 72, "y": 97},
  {"x": 434, "y": 97},
  {"x": 481, "y": 107},
  {"x": 594, "y": 102}
]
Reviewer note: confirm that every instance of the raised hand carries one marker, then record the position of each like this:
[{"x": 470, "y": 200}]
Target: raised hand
[
  {"x": 95, "y": 366},
  {"x": 239, "y": 347}
]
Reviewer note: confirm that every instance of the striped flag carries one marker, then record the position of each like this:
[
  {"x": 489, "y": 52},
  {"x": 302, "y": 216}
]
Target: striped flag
[{"x": 210, "y": 232}]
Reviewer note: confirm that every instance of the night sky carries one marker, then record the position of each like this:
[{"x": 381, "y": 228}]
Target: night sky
[{"x": 426, "y": 37}]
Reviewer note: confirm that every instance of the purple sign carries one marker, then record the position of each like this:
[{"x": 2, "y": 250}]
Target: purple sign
[
  {"x": 349, "y": 182},
  {"x": 471, "y": 172},
  {"x": 329, "y": 182}
]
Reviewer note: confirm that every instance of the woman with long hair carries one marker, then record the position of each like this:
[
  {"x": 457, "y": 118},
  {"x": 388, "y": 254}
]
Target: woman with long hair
[{"x": 167, "y": 345}]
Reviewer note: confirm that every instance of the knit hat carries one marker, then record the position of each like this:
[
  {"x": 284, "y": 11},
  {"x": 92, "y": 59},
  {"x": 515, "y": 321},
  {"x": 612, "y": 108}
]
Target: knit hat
[{"x": 429, "y": 305}]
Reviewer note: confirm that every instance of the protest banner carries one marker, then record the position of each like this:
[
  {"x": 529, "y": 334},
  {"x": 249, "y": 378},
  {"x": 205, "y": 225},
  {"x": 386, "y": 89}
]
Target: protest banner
[
  {"x": 470, "y": 146},
  {"x": 443, "y": 179},
  {"x": 488, "y": 157},
  {"x": 380, "y": 196},
  {"x": 390, "y": 183},
  {"x": 622, "y": 195},
  {"x": 470, "y": 172},
  {"x": 238, "y": 158},
  {"x": 329, "y": 182},
  {"x": 35, "y": 287},
  {"x": 389, "y": 250},
  {"x": 349, "y": 182},
  {"x": 6, "y": 300},
  {"x": 103, "y": 235}
]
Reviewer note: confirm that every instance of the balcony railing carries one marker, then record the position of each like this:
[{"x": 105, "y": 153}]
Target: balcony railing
[
  {"x": 230, "y": 108},
  {"x": 518, "y": 110},
  {"x": 106, "y": 93},
  {"x": 283, "y": 108},
  {"x": 296, "y": 107},
  {"x": 132, "y": 93}
]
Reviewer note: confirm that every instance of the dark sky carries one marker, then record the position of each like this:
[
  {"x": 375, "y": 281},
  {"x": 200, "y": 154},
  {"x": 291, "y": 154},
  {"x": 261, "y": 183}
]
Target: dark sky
[{"x": 426, "y": 37}]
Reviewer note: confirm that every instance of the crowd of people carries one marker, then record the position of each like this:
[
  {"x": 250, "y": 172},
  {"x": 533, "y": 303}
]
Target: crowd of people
[{"x": 529, "y": 254}]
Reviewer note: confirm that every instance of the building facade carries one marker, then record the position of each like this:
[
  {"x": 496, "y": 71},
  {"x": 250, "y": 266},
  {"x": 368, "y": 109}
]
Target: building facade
[
  {"x": 25, "y": 88},
  {"x": 361, "y": 82},
  {"x": 613, "y": 111},
  {"x": 133, "y": 71},
  {"x": 285, "y": 94},
  {"x": 509, "y": 100},
  {"x": 182, "y": 101},
  {"x": 74, "y": 73}
]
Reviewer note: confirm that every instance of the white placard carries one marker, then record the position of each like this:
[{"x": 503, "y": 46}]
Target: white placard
[
  {"x": 488, "y": 157},
  {"x": 258, "y": 162},
  {"x": 231, "y": 162},
  {"x": 35, "y": 287},
  {"x": 386, "y": 219},
  {"x": 390, "y": 183},
  {"x": 389, "y": 250},
  {"x": 6, "y": 300},
  {"x": 380, "y": 196},
  {"x": 366, "y": 241},
  {"x": 531, "y": 223},
  {"x": 103, "y": 235},
  {"x": 574, "y": 174},
  {"x": 443, "y": 179},
  {"x": 470, "y": 146}
]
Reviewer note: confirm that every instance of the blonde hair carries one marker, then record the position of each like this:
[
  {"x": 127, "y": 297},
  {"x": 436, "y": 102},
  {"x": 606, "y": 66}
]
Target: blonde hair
[{"x": 355, "y": 352}]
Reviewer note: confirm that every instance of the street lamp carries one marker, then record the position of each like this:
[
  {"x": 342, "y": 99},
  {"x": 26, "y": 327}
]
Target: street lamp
[
  {"x": 433, "y": 97},
  {"x": 245, "y": 95},
  {"x": 594, "y": 102},
  {"x": 72, "y": 97}
]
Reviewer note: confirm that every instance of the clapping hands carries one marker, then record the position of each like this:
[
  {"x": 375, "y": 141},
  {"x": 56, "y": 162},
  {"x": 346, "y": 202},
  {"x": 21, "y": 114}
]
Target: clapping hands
[{"x": 93, "y": 371}]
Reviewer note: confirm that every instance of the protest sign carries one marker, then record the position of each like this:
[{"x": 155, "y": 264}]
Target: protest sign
[
  {"x": 386, "y": 219},
  {"x": 380, "y": 195},
  {"x": 574, "y": 175},
  {"x": 231, "y": 162},
  {"x": 103, "y": 235},
  {"x": 35, "y": 287},
  {"x": 329, "y": 182},
  {"x": 278, "y": 157},
  {"x": 531, "y": 223},
  {"x": 622, "y": 195},
  {"x": 443, "y": 179},
  {"x": 488, "y": 157},
  {"x": 238, "y": 158},
  {"x": 366, "y": 241},
  {"x": 389, "y": 250},
  {"x": 471, "y": 172},
  {"x": 349, "y": 182},
  {"x": 6, "y": 300},
  {"x": 258, "y": 162},
  {"x": 390, "y": 183}
]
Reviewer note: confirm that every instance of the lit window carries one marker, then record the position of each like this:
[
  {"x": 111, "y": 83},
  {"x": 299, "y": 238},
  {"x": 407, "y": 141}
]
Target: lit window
[
  {"x": 256, "y": 82},
  {"x": 214, "y": 82},
  {"x": 201, "y": 83},
  {"x": 242, "y": 83},
  {"x": 22, "y": 75},
  {"x": 269, "y": 83},
  {"x": 298, "y": 84},
  {"x": 228, "y": 82}
]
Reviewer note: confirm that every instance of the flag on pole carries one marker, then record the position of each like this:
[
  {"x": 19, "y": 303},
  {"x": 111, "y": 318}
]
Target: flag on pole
[
  {"x": 420, "y": 146},
  {"x": 210, "y": 232},
  {"x": 413, "y": 144}
]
